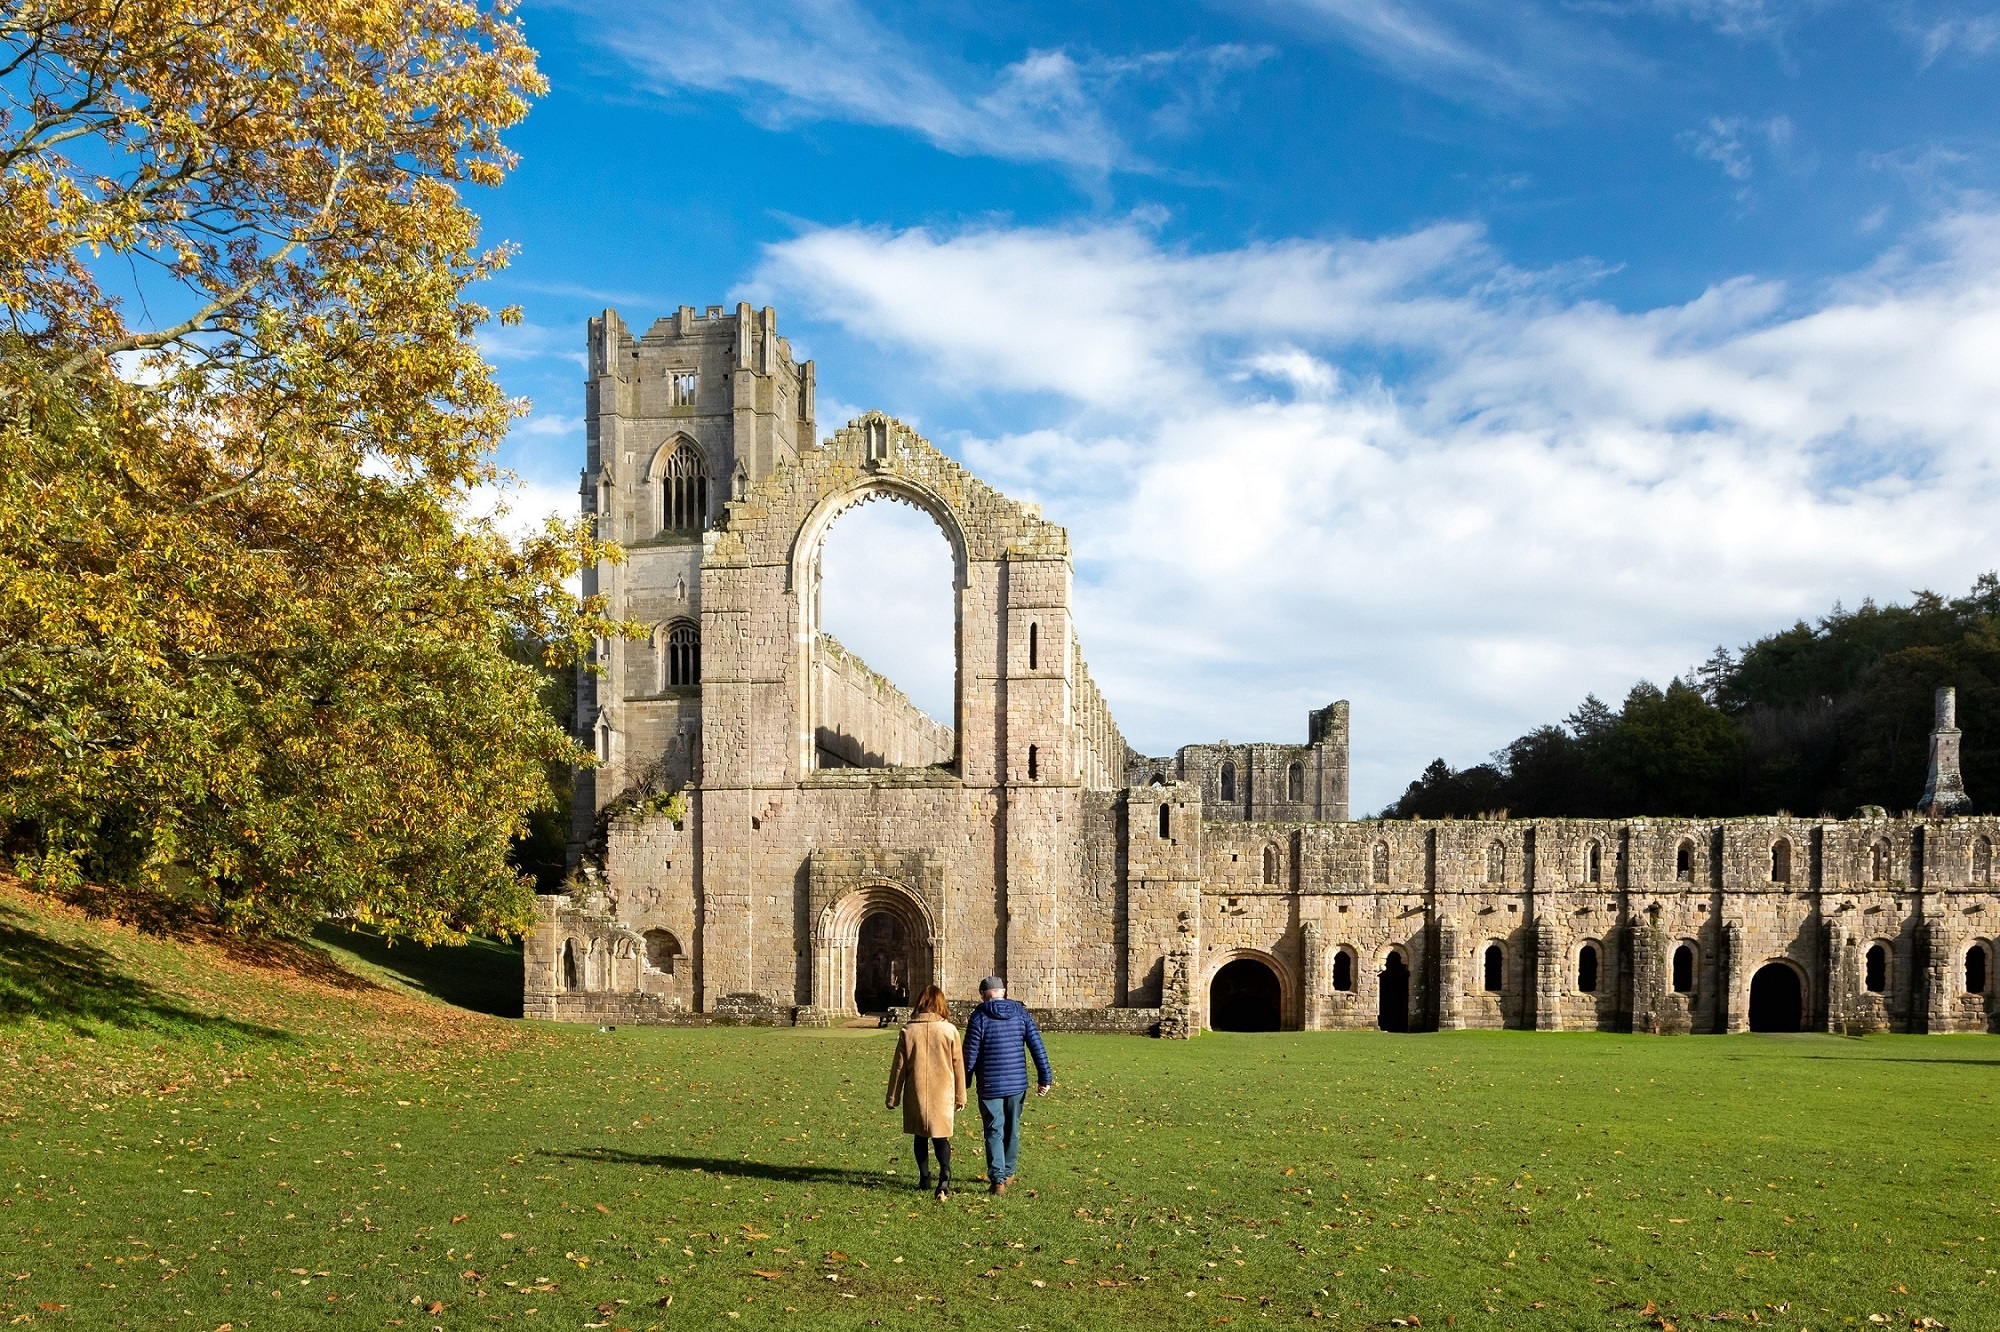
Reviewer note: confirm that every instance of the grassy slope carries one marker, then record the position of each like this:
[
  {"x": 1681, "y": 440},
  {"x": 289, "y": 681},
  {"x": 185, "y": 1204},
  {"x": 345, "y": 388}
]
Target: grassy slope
[{"x": 265, "y": 1142}]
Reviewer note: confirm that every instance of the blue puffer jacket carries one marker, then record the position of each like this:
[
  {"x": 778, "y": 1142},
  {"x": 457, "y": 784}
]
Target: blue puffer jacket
[{"x": 993, "y": 1041}]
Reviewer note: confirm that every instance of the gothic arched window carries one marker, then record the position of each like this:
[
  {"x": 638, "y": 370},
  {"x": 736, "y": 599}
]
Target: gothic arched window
[
  {"x": 683, "y": 478},
  {"x": 681, "y": 656}
]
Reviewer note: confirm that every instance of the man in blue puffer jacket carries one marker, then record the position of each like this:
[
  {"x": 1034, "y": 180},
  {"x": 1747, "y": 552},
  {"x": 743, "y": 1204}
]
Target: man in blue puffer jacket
[{"x": 994, "y": 1038}]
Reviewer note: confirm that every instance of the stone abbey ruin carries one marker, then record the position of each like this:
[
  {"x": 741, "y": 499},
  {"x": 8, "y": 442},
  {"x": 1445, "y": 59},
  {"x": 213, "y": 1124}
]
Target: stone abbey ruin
[{"x": 776, "y": 834}]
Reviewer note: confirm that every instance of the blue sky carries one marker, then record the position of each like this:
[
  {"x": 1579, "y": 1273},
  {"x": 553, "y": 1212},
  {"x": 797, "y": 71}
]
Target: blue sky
[{"x": 1453, "y": 358}]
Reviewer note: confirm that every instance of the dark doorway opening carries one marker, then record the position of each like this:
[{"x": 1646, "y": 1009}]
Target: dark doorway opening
[
  {"x": 1776, "y": 1002},
  {"x": 882, "y": 965},
  {"x": 1392, "y": 1010},
  {"x": 1244, "y": 996}
]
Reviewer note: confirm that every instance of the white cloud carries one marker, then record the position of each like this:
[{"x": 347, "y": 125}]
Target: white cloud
[
  {"x": 831, "y": 59},
  {"x": 1966, "y": 34},
  {"x": 1723, "y": 141},
  {"x": 1402, "y": 472},
  {"x": 1516, "y": 52}
]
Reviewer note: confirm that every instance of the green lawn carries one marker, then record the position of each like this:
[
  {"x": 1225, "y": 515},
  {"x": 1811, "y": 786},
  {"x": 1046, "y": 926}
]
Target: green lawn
[{"x": 334, "y": 1156}]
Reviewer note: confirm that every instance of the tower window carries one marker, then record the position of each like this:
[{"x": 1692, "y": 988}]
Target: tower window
[
  {"x": 1228, "y": 782},
  {"x": 684, "y": 491},
  {"x": 1781, "y": 861},
  {"x": 683, "y": 652},
  {"x": 681, "y": 385},
  {"x": 1496, "y": 863},
  {"x": 1875, "y": 970},
  {"x": 1881, "y": 861},
  {"x": 1496, "y": 969},
  {"x": 1982, "y": 860},
  {"x": 1593, "y": 863},
  {"x": 1586, "y": 969},
  {"x": 1295, "y": 783},
  {"x": 1166, "y": 827},
  {"x": 1270, "y": 864},
  {"x": 1034, "y": 646},
  {"x": 1034, "y": 764},
  {"x": 1684, "y": 862},
  {"x": 1378, "y": 869}
]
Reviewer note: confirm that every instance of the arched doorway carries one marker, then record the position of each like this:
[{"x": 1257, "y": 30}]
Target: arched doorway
[
  {"x": 875, "y": 947},
  {"x": 1392, "y": 1004},
  {"x": 1777, "y": 1002},
  {"x": 882, "y": 964},
  {"x": 1245, "y": 996}
]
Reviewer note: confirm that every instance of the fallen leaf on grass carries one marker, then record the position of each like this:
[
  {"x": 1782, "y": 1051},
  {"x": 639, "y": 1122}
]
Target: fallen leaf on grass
[
  {"x": 1762, "y": 1253},
  {"x": 460, "y": 1217},
  {"x": 602, "y": 1208},
  {"x": 768, "y": 1276},
  {"x": 434, "y": 1307}
]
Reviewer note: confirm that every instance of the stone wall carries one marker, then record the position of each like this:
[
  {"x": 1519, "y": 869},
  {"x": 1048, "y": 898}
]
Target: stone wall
[{"x": 864, "y": 721}]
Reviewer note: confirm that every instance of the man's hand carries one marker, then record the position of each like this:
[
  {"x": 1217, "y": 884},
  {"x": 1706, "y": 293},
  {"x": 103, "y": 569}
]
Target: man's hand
[{"x": 1045, "y": 1089}]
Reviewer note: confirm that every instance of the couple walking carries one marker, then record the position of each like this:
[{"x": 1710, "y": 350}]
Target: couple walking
[{"x": 929, "y": 1075}]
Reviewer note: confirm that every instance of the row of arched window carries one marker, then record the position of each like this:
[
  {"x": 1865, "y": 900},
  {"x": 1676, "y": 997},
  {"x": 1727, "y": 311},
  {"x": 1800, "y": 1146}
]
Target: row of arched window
[
  {"x": 1295, "y": 782},
  {"x": 1976, "y": 972}
]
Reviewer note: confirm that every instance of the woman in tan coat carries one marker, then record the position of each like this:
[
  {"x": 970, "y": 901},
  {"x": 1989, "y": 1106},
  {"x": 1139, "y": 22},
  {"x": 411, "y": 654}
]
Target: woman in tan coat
[{"x": 928, "y": 1077}]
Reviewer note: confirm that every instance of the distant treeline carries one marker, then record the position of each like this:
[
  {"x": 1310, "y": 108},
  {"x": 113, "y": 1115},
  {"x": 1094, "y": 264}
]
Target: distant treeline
[{"x": 1813, "y": 720}]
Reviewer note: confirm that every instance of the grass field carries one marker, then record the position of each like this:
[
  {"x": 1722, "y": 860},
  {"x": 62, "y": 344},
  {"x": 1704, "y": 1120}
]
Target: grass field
[{"x": 195, "y": 1137}]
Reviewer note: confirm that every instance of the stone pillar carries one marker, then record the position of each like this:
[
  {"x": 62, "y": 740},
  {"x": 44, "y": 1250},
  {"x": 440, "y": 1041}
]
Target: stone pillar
[
  {"x": 1177, "y": 1012},
  {"x": 1548, "y": 976},
  {"x": 1729, "y": 1007},
  {"x": 1312, "y": 970},
  {"x": 1837, "y": 966},
  {"x": 1944, "y": 788},
  {"x": 1647, "y": 985},
  {"x": 1937, "y": 979},
  {"x": 1450, "y": 979}
]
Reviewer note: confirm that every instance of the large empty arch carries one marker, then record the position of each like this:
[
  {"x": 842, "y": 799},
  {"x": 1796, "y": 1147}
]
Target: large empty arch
[
  {"x": 1777, "y": 999},
  {"x": 879, "y": 595}
]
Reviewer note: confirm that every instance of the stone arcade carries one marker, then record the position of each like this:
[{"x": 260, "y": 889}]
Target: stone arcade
[{"x": 776, "y": 834}]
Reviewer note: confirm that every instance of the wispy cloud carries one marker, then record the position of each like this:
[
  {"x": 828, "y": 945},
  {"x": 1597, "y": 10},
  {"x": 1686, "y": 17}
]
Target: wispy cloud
[
  {"x": 1961, "y": 34},
  {"x": 832, "y": 60},
  {"x": 1509, "y": 51},
  {"x": 1734, "y": 142},
  {"x": 1403, "y": 472}
]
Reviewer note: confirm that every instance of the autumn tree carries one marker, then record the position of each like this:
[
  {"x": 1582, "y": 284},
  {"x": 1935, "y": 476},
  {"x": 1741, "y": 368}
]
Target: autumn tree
[{"x": 253, "y": 633}]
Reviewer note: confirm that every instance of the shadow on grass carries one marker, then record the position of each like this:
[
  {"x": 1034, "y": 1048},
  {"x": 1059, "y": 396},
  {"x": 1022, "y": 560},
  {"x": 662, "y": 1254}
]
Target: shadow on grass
[
  {"x": 483, "y": 975},
  {"x": 82, "y": 987},
  {"x": 718, "y": 1165}
]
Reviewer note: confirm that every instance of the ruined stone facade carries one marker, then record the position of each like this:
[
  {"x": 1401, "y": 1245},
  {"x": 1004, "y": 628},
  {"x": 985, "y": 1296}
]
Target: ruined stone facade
[{"x": 775, "y": 831}]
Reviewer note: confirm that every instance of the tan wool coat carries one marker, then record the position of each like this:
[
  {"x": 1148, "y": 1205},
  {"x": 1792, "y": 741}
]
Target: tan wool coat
[{"x": 928, "y": 1076}]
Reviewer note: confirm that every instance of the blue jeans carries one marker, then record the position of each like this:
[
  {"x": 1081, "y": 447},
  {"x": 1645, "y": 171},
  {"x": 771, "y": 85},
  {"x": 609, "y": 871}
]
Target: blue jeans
[{"x": 1002, "y": 1117}]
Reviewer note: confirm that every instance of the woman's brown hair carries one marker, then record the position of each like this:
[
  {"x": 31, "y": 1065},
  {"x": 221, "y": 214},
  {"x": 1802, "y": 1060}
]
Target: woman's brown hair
[{"x": 932, "y": 1001}]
